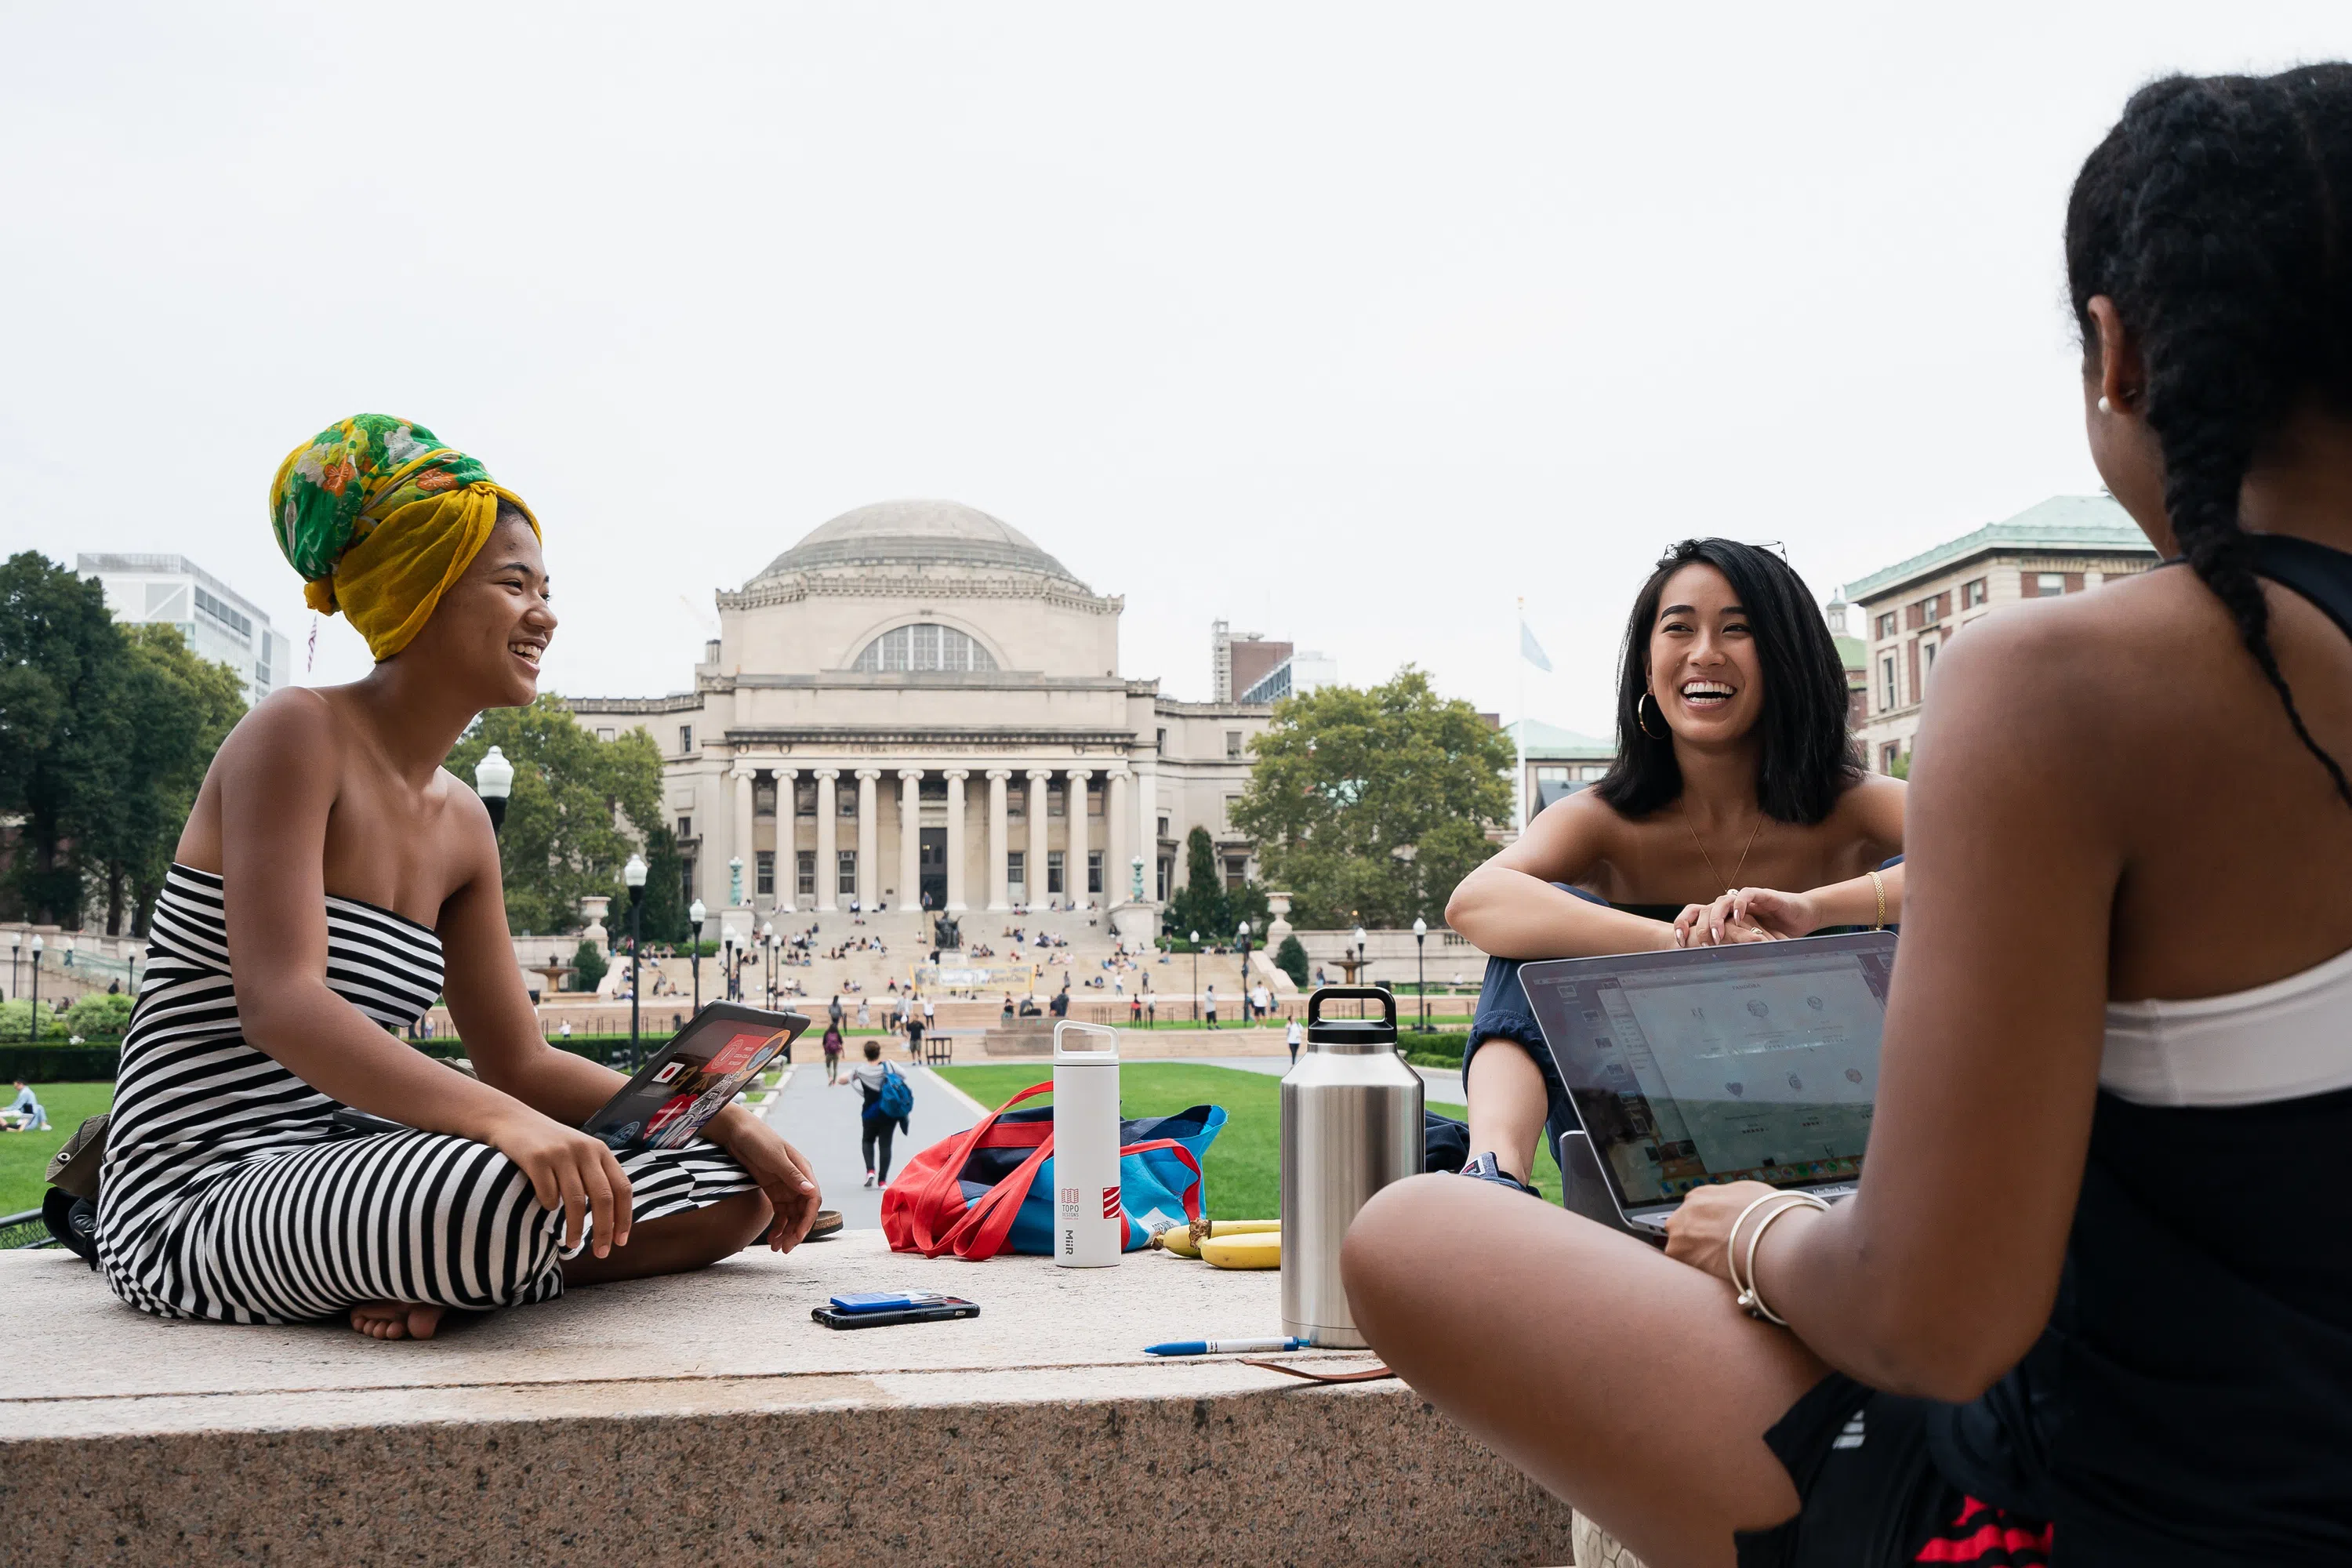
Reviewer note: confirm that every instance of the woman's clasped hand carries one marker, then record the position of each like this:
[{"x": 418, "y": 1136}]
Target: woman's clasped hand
[{"x": 1748, "y": 914}]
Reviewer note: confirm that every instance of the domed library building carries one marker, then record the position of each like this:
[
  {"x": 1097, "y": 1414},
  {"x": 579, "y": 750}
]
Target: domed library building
[{"x": 916, "y": 707}]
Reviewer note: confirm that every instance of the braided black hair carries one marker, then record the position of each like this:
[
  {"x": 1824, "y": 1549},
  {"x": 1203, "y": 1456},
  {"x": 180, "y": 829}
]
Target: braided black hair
[
  {"x": 1807, "y": 758},
  {"x": 2213, "y": 216}
]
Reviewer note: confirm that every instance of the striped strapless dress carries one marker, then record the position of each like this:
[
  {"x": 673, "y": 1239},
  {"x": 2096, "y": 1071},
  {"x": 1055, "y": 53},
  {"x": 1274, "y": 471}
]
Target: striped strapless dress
[{"x": 229, "y": 1194}]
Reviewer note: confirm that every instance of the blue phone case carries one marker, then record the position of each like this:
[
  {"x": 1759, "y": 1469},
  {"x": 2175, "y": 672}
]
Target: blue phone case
[{"x": 887, "y": 1301}]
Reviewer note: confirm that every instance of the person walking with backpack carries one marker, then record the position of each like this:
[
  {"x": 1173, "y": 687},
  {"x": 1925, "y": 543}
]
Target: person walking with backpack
[{"x": 889, "y": 1101}]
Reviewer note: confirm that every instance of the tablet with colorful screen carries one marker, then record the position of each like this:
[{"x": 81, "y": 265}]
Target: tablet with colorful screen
[{"x": 694, "y": 1076}]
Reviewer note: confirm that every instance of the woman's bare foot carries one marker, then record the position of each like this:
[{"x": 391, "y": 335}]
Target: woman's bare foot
[{"x": 396, "y": 1320}]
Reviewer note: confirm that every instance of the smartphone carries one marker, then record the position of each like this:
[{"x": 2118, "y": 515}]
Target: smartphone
[
  {"x": 939, "y": 1310},
  {"x": 888, "y": 1301}
]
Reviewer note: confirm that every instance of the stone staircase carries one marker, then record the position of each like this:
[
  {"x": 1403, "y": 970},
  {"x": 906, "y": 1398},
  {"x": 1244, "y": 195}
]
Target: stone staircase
[{"x": 905, "y": 936}]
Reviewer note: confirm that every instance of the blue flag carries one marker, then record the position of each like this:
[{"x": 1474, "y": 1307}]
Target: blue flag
[{"x": 1532, "y": 651}]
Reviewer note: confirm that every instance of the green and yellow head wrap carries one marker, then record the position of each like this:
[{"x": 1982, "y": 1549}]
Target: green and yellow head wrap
[{"x": 381, "y": 519}]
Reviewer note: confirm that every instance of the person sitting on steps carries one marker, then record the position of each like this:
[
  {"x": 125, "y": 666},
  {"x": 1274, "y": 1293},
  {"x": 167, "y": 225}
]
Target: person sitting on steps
[
  {"x": 334, "y": 879},
  {"x": 1733, "y": 761}
]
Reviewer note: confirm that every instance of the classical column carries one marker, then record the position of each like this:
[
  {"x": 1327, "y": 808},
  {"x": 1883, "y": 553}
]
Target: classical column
[
  {"x": 1000, "y": 895},
  {"x": 869, "y": 840},
  {"x": 910, "y": 838},
  {"x": 1039, "y": 779},
  {"x": 1115, "y": 836},
  {"x": 742, "y": 774},
  {"x": 1147, "y": 827},
  {"x": 1074, "y": 859},
  {"x": 788, "y": 838},
  {"x": 828, "y": 824},
  {"x": 955, "y": 837}
]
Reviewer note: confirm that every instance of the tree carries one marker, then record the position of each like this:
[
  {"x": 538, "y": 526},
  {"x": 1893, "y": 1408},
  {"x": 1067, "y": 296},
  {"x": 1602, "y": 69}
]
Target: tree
[
  {"x": 1199, "y": 904},
  {"x": 1371, "y": 804},
  {"x": 589, "y": 966},
  {"x": 665, "y": 910},
  {"x": 61, "y": 658},
  {"x": 1291, "y": 959},
  {"x": 168, "y": 715},
  {"x": 581, "y": 806}
]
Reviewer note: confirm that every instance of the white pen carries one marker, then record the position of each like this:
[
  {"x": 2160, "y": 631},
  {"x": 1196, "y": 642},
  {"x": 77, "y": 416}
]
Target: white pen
[{"x": 1224, "y": 1347}]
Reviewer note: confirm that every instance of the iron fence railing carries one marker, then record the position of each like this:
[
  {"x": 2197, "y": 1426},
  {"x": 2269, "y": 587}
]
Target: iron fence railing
[{"x": 24, "y": 1230}]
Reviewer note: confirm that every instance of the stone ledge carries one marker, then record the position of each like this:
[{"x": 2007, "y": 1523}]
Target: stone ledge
[{"x": 706, "y": 1419}]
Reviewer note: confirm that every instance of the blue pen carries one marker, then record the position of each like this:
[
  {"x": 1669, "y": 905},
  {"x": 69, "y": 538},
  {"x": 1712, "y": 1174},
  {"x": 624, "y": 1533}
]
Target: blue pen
[{"x": 1223, "y": 1347}]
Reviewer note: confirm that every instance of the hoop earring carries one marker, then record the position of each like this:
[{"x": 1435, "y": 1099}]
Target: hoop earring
[{"x": 1643, "y": 723}]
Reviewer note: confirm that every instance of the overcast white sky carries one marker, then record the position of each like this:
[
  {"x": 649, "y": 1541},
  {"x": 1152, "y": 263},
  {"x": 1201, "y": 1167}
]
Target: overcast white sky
[{"x": 1347, "y": 323}]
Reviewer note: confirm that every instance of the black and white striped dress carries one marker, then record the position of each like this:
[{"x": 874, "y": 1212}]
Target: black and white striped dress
[{"x": 229, "y": 1194}]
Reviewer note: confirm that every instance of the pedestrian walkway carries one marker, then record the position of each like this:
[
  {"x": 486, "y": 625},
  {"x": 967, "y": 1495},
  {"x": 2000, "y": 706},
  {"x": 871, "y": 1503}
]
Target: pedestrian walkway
[
  {"x": 1444, "y": 1084},
  {"x": 822, "y": 1121}
]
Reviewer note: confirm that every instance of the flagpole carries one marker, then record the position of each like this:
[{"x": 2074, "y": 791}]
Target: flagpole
[{"x": 1519, "y": 657}]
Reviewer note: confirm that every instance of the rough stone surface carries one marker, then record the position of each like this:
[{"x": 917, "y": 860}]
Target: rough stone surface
[{"x": 705, "y": 1419}]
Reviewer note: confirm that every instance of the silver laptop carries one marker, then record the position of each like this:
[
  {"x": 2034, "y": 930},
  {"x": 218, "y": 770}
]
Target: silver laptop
[{"x": 1718, "y": 1064}]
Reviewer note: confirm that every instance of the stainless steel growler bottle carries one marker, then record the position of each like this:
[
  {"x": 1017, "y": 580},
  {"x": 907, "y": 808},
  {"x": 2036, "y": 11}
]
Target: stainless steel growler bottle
[{"x": 1351, "y": 1124}]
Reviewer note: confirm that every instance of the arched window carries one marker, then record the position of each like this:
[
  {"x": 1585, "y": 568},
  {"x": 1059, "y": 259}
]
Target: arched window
[{"x": 926, "y": 645}]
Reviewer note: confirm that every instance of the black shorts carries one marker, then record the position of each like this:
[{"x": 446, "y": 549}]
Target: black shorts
[{"x": 1870, "y": 1495}]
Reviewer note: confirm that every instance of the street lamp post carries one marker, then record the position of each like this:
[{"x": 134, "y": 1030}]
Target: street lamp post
[
  {"x": 1361, "y": 965},
  {"x": 494, "y": 781},
  {"x": 696, "y": 914},
  {"x": 33, "y": 1018},
  {"x": 768, "y": 947},
  {"x": 15, "y": 982},
  {"x": 1421, "y": 967},
  {"x": 633, "y": 874},
  {"x": 1242, "y": 937},
  {"x": 1196, "y": 977}
]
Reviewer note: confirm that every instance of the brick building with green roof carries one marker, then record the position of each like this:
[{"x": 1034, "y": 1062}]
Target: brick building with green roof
[{"x": 1910, "y": 610}]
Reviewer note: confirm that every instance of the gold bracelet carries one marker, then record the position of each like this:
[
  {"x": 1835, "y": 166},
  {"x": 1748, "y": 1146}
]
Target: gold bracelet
[{"x": 1879, "y": 882}]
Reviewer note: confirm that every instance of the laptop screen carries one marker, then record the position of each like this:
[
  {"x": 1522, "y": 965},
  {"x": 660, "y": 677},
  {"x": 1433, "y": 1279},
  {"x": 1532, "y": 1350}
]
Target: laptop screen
[{"x": 1720, "y": 1064}]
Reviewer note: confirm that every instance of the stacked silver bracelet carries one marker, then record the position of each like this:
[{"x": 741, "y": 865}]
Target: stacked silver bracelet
[{"x": 1750, "y": 1300}]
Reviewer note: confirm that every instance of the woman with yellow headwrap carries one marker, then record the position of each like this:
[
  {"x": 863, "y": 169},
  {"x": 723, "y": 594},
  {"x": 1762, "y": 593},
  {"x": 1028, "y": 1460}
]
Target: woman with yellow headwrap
[
  {"x": 332, "y": 881},
  {"x": 381, "y": 519}
]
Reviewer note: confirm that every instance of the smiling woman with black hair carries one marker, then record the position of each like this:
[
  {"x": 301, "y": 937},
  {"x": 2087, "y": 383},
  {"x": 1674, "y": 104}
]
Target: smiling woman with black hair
[
  {"x": 2093, "y": 1295},
  {"x": 1733, "y": 760}
]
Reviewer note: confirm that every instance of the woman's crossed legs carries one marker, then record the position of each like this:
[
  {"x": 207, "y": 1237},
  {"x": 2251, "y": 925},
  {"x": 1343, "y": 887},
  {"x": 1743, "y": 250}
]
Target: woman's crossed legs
[{"x": 1620, "y": 1380}]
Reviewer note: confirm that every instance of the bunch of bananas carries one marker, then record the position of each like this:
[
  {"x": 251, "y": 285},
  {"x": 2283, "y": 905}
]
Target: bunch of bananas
[{"x": 1226, "y": 1243}]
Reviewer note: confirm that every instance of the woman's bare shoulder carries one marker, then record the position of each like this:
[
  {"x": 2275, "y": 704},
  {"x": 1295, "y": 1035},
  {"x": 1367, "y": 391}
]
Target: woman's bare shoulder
[
  {"x": 2089, "y": 658},
  {"x": 1872, "y": 807},
  {"x": 295, "y": 727},
  {"x": 1581, "y": 823}
]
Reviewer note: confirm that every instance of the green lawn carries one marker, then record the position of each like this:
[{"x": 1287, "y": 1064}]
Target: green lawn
[
  {"x": 25, "y": 1156},
  {"x": 1242, "y": 1176}
]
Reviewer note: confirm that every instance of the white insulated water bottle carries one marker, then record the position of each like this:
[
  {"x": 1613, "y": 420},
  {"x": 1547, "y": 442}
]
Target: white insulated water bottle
[{"x": 1089, "y": 1227}]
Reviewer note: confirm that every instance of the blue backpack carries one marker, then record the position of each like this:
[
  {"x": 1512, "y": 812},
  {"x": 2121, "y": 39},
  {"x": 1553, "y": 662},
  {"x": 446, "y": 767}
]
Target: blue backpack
[{"x": 898, "y": 1097}]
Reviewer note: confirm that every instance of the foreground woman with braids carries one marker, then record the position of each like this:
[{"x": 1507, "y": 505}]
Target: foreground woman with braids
[
  {"x": 332, "y": 880},
  {"x": 2096, "y": 1263}
]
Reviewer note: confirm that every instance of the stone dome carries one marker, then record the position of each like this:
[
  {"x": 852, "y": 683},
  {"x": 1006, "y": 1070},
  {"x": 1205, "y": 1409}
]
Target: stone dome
[{"x": 916, "y": 533}]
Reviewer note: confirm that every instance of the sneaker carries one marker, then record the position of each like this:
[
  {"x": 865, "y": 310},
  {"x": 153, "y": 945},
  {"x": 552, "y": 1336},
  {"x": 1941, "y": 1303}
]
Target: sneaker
[
  {"x": 869, "y": 1178},
  {"x": 1486, "y": 1168}
]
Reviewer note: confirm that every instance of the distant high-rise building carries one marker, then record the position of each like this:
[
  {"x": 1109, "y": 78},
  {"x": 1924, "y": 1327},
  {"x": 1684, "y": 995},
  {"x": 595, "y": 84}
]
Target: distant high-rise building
[
  {"x": 1239, "y": 660},
  {"x": 219, "y": 623},
  {"x": 1299, "y": 672}
]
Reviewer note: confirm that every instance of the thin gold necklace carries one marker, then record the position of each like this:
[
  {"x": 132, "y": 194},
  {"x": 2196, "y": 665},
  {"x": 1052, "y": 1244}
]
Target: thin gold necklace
[{"x": 1711, "y": 870}]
